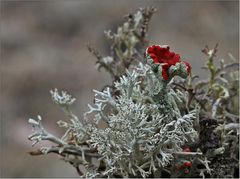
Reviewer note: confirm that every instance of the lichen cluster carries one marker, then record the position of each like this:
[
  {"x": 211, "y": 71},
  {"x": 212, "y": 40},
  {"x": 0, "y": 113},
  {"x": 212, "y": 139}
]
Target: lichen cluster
[
  {"x": 147, "y": 123},
  {"x": 144, "y": 125}
]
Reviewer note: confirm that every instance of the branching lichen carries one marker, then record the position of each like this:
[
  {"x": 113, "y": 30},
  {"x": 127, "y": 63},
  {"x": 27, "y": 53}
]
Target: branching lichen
[
  {"x": 147, "y": 123},
  {"x": 141, "y": 134}
]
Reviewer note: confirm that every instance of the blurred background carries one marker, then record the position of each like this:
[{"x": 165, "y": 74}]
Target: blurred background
[{"x": 43, "y": 46}]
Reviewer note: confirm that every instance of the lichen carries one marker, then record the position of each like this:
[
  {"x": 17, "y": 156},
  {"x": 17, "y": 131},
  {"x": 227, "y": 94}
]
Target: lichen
[{"x": 148, "y": 123}]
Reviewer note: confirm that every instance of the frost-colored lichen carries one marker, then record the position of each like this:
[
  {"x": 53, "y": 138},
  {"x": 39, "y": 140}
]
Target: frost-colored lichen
[
  {"x": 145, "y": 126},
  {"x": 145, "y": 123}
]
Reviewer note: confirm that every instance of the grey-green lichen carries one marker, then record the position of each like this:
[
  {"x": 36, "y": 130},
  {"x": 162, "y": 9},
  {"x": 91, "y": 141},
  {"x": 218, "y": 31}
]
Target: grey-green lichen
[
  {"x": 147, "y": 123},
  {"x": 145, "y": 126}
]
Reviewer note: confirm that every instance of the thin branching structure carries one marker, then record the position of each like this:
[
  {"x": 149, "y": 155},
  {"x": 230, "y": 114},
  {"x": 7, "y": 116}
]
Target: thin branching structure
[{"x": 148, "y": 123}]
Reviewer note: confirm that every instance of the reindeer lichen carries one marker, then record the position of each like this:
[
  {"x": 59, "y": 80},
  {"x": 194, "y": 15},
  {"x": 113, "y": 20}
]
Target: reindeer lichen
[
  {"x": 145, "y": 127},
  {"x": 147, "y": 123}
]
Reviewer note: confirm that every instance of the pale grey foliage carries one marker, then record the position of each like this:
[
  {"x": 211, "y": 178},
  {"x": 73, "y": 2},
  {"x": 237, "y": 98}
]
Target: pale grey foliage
[
  {"x": 41, "y": 134},
  {"x": 62, "y": 99},
  {"x": 102, "y": 99},
  {"x": 140, "y": 136},
  {"x": 144, "y": 126},
  {"x": 76, "y": 127}
]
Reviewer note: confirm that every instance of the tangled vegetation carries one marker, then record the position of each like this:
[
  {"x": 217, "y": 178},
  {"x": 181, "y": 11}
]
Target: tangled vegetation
[{"x": 152, "y": 124}]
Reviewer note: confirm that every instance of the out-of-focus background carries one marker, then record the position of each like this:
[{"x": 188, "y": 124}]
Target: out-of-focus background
[{"x": 43, "y": 46}]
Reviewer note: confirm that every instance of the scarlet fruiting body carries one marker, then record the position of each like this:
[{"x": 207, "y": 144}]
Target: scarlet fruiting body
[
  {"x": 187, "y": 164},
  {"x": 163, "y": 56},
  {"x": 186, "y": 149}
]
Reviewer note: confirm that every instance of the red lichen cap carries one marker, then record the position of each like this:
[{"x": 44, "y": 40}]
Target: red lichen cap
[
  {"x": 187, "y": 164},
  {"x": 163, "y": 55},
  {"x": 186, "y": 149},
  {"x": 188, "y": 66}
]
